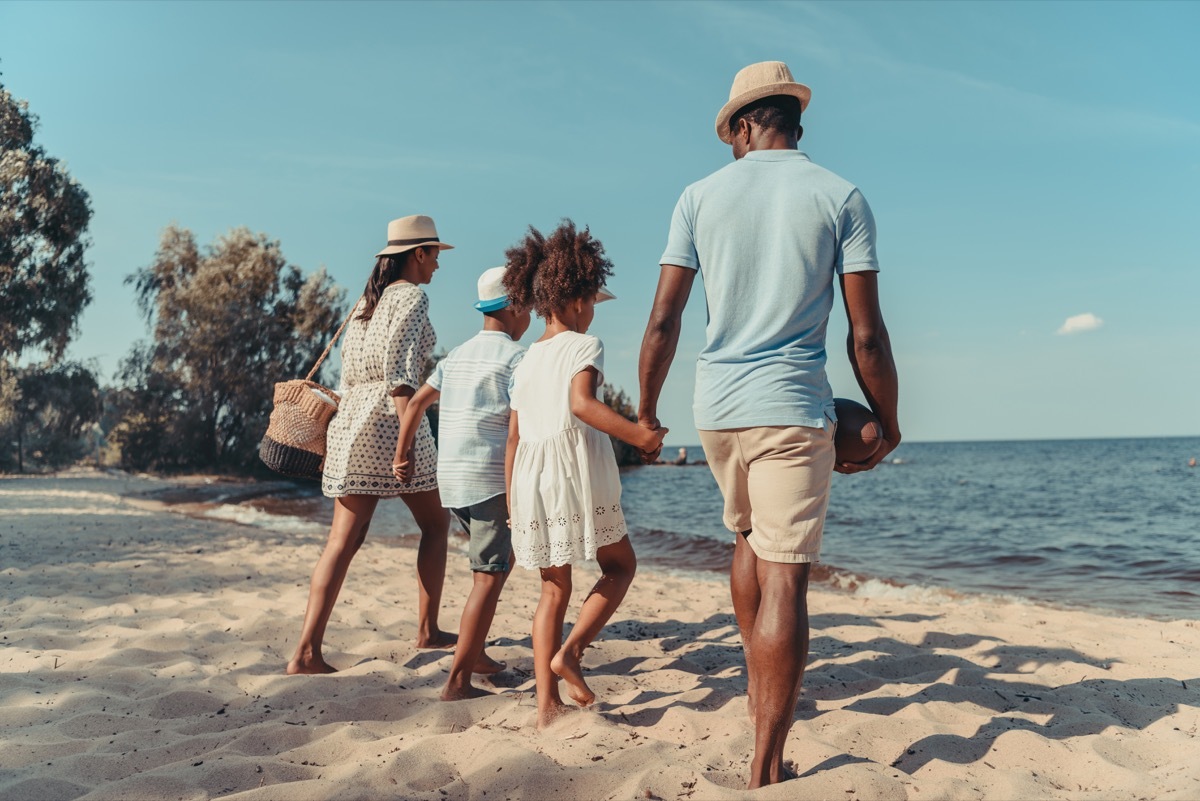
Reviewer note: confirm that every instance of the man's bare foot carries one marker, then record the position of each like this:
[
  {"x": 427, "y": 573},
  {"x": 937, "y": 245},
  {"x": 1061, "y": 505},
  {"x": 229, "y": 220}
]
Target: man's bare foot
[
  {"x": 750, "y": 708},
  {"x": 312, "y": 665},
  {"x": 567, "y": 667},
  {"x": 487, "y": 666},
  {"x": 461, "y": 692},
  {"x": 437, "y": 639},
  {"x": 548, "y": 716}
]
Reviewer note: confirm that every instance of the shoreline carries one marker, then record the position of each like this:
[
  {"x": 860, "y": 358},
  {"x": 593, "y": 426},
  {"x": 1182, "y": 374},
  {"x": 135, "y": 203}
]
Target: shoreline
[{"x": 144, "y": 654}]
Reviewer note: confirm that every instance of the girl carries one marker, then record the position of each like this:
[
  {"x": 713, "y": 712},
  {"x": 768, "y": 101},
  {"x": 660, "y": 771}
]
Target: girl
[
  {"x": 564, "y": 490},
  {"x": 388, "y": 340}
]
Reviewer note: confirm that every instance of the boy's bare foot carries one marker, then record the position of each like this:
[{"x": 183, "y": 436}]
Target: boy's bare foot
[
  {"x": 567, "y": 666},
  {"x": 548, "y": 716},
  {"x": 312, "y": 665},
  {"x": 486, "y": 666},
  {"x": 461, "y": 692},
  {"x": 437, "y": 639}
]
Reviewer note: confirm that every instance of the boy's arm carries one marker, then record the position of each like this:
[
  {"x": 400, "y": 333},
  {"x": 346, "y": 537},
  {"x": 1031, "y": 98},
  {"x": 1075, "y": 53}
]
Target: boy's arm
[
  {"x": 510, "y": 456},
  {"x": 591, "y": 411},
  {"x": 870, "y": 350},
  {"x": 409, "y": 410}
]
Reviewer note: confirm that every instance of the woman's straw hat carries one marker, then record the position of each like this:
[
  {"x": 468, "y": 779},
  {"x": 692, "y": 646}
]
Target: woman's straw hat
[
  {"x": 407, "y": 233},
  {"x": 755, "y": 82}
]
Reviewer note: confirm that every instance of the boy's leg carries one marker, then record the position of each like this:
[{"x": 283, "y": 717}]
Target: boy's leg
[
  {"x": 547, "y": 639},
  {"x": 351, "y": 516},
  {"x": 491, "y": 562},
  {"x": 618, "y": 565},
  {"x": 434, "y": 522}
]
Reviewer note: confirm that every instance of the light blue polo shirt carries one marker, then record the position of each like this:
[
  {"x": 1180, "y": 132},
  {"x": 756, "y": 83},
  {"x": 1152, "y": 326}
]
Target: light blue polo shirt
[
  {"x": 769, "y": 233},
  {"x": 473, "y": 417}
]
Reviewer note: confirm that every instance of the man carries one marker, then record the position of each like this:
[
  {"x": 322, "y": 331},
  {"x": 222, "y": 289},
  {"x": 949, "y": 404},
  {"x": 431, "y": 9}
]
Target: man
[{"x": 770, "y": 232}]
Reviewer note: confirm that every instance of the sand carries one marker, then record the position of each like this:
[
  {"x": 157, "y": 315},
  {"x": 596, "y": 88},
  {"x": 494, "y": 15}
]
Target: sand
[{"x": 143, "y": 654}]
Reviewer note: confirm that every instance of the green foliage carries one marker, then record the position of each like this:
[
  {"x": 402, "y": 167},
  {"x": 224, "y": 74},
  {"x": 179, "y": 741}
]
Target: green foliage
[
  {"x": 228, "y": 321},
  {"x": 51, "y": 410},
  {"x": 44, "y": 215}
]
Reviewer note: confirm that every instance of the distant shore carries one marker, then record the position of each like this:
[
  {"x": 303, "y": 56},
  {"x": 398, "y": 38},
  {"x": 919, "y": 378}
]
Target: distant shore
[{"x": 143, "y": 653}]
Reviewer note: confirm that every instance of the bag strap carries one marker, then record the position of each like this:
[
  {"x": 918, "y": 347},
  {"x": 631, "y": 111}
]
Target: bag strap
[{"x": 329, "y": 347}]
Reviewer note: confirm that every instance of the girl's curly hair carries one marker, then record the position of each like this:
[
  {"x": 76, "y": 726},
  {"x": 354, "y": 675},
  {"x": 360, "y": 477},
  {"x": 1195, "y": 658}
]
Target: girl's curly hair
[{"x": 547, "y": 273}]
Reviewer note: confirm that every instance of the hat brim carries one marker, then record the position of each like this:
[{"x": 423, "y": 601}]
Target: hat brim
[
  {"x": 392, "y": 250},
  {"x": 796, "y": 90},
  {"x": 495, "y": 304},
  {"x": 603, "y": 295}
]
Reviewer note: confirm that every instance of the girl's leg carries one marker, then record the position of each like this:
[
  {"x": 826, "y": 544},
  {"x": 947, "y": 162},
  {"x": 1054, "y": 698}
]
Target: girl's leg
[
  {"x": 547, "y": 639},
  {"x": 618, "y": 564},
  {"x": 351, "y": 516},
  {"x": 434, "y": 522}
]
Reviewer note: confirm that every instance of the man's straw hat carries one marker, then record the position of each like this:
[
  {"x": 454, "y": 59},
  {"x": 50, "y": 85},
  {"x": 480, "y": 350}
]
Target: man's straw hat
[
  {"x": 755, "y": 82},
  {"x": 407, "y": 233}
]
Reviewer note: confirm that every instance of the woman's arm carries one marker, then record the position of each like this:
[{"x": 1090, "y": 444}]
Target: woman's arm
[
  {"x": 591, "y": 411},
  {"x": 510, "y": 456},
  {"x": 410, "y": 410}
]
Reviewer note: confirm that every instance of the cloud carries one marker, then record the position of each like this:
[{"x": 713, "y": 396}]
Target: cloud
[{"x": 1080, "y": 323}]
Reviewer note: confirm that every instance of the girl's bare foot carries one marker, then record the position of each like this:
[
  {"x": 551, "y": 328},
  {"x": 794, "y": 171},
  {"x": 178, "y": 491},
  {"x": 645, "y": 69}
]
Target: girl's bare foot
[
  {"x": 310, "y": 665},
  {"x": 567, "y": 666},
  {"x": 460, "y": 692},
  {"x": 437, "y": 639},
  {"x": 486, "y": 666},
  {"x": 551, "y": 713}
]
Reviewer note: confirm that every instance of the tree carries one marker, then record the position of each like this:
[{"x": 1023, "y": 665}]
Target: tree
[
  {"x": 44, "y": 215},
  {"x": 228, "y": 322},
  {"x": 619, "y": 402}
]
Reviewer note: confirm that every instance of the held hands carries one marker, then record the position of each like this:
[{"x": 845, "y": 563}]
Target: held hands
[
  {"x": 402, "y": 465},
  {"x": 652, "y": 445}
]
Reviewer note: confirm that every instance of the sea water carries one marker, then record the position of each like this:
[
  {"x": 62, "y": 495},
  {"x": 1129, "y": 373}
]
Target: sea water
[{"x": 1108, "y": 524}]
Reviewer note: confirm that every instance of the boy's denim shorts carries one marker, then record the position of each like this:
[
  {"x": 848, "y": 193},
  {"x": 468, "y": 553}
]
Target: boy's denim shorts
[{"x": 491, "y": 538}]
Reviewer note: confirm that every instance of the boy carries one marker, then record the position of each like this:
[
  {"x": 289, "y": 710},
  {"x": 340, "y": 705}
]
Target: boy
[{"x": 472, "y": 383}]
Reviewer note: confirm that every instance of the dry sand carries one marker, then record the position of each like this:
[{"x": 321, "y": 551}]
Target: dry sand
[{"x": 143, "y": 651}]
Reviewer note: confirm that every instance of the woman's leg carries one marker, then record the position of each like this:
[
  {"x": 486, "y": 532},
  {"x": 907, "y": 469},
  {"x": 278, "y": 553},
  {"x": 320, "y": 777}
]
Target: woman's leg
[
  {"x": 434, "y": 522},
  {"x": 547, "y": 638},
  {"x": 618, "y": 564},
  {"x": 351, "y": 516}
]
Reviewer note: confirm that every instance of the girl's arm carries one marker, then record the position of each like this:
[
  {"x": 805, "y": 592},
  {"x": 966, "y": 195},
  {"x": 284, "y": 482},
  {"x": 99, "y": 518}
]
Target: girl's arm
[
  {"x": 591, "y": 411},
  {"x": 409, "y": 410},
  {"x": 510, "y": 456}
]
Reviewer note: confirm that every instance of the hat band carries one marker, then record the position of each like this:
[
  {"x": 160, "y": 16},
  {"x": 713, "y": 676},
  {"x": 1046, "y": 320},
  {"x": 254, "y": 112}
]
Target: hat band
[{"x": 394, "y": 242}]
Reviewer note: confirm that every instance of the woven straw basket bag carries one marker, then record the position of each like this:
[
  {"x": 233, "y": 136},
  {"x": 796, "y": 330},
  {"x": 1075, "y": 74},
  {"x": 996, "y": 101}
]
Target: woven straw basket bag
[{"x": 294, "y": 444}]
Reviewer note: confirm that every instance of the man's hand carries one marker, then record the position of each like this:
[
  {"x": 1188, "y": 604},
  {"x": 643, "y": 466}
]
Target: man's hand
[
  {"x": 652, "y": 423},
  {"x": 889, "y": 443}
]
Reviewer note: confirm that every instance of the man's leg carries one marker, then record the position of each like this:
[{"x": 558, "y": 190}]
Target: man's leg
[
  {"x": 776, "y": 662},
  {"x": 743, "y": 586}
]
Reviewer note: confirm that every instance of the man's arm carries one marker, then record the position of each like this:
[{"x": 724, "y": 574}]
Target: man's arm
[
  {"x": 870, "y": 351},
  {"x": 662, "y": 335}
]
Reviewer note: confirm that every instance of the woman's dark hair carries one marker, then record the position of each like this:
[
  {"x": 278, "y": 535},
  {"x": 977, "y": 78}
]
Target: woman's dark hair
[
  {"x": 387, "y": 271},
  {"x": 775, "y": 113},
  {"x": 547, "y": 273}
]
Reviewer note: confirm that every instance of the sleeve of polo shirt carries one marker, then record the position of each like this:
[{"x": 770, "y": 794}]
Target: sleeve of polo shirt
[
  {"x": 681, "y": 240},
  {"x": 856, "y": 236},
  {"x": 439, "y": 373}
]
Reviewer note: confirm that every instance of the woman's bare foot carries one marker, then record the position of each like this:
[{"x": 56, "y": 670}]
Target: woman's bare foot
[
  {"x": 486, "y": 666},
  {"x": 310, "y": 665},
  {"x": 548, "y": 716},
  {"x": 461, "y": 692},
  {"x": 567, "y": 667},
  {"x": 437, "y": 639}
]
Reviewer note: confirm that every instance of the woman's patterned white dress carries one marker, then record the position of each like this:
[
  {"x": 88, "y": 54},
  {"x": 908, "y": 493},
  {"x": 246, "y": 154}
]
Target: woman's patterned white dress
[
  {"x": 378, "y": 355},
  {"x": 565, "y": 496}
]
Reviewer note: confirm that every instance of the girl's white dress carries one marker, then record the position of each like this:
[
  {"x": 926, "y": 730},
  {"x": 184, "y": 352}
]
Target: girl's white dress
[{"x": 565, "y": 498}]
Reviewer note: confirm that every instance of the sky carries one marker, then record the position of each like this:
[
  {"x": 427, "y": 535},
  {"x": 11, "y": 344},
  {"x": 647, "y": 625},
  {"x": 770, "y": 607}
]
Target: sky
[{"x": 1034, "y": 169}]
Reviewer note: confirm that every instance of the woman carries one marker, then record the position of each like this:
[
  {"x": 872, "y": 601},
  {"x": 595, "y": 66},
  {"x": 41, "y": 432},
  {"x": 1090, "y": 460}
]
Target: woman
[{"x": 386, "y": 345}]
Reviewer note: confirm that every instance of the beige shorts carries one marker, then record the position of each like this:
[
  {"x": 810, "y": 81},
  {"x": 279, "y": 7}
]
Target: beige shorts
[{"x": 775, "y": 481}]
